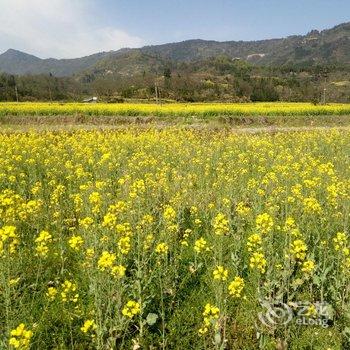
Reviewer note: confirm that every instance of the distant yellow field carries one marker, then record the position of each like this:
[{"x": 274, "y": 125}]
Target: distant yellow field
[{"x": 174, "y": 109}]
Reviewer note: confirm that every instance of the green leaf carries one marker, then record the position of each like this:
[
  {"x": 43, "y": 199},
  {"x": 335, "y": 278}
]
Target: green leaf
[
  {"x": 217, "y": 339},
  {"x": 151, "y": 319}
]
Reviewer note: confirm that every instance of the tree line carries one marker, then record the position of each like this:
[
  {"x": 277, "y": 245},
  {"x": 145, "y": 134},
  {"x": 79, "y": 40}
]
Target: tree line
[{"x": 215, "y": 79}]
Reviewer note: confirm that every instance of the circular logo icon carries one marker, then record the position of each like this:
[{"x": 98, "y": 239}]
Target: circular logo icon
[{"x": 278, "y": 314}]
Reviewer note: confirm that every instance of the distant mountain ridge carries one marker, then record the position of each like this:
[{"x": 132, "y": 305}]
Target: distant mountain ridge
[
  {"x": 20, "y": 63},
  {"x": 330, "y": 46}
]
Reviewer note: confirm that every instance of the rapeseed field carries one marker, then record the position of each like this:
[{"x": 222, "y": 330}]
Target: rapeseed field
[{"x": 174, "y": 238}]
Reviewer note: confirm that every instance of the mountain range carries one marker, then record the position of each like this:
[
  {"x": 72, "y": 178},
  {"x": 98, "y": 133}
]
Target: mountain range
[{"x": 331, "y": 46}]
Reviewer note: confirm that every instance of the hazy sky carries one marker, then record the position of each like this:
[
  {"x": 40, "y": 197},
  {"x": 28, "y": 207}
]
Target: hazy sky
[{"x": 73, "y": 28}]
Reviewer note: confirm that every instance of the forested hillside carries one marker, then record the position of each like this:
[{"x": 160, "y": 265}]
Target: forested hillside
[{"x": 296, "y": 68}]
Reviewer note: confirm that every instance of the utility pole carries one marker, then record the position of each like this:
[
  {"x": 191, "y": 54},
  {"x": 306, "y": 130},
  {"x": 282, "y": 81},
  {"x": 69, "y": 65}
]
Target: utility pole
[
  {"x": 16, "y": 90},
  {"x": 324, "y": 89},
  {"x": 49, "y": 85},
  {"x": 157, "y": 92},
  {"x": 324, "y": 96},
  {"x": 50, "y": 93}
]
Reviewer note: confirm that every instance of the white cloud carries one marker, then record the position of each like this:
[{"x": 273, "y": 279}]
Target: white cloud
[{"x": 58, "y": 28}]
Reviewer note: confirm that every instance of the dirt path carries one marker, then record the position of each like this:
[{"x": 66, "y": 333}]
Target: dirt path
[
  {"x": 273, "y": 129},
  {"x": 197, "y": 126}
]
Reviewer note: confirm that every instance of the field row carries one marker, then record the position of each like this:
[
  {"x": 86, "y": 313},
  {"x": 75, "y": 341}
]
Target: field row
[{"x": 175, "y": 109}]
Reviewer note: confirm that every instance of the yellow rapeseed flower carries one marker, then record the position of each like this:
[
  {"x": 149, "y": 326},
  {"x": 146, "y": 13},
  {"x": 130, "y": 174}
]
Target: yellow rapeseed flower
[
  {"x": 220, "y": 224},
  {"x": 200, "y": 245},
  {"x": 89, "y": 325},
  {"x": 235, "y": 288},
  {"x": 75, "y": 242},
  {"x": 298, "y": 249},
  {"x": 264, "y": 223},
  {"x": 210, "y": 314},
  {"x": 106, "y": 260},
  {"x": 220, "y": 273},
  {"x": 308, "y": 266},
  {"x": 131, "y": 309},
  {"x": 51, "y": 293},
  {"x": 162, "y": 248},
  {"x": 20, "y": 337},
  {"x": 258, "y": 261}
]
